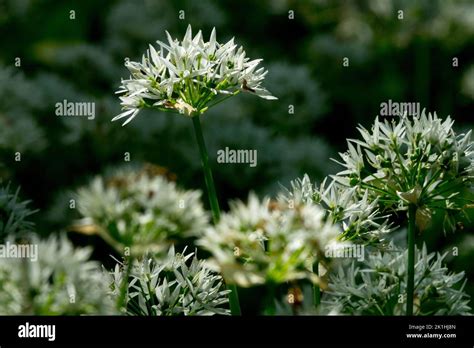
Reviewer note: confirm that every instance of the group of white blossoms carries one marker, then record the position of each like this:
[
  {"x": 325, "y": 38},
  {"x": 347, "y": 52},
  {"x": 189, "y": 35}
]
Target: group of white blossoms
[{"x": 189, "y": 76}]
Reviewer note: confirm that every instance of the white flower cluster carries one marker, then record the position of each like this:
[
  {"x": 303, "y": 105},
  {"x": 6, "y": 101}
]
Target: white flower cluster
[
  {"x": 141, "y": 210},
  {"x": 171, "y": 286},
  {"x": 269, "y": 241},
  {"x": 419, "y": 161},
  {"x": 359, "y": 218},
  {"x": 62, "y": 281},
  {"x": 188, "y": 76},
  {"x": 376, "y": 287}
]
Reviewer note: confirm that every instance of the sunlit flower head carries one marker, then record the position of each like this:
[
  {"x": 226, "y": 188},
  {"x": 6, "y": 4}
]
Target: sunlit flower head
[
  {"x": 189, "y": 76},
  {"x": 419, "y": 161},
  {"x": 359, "y": 216}
]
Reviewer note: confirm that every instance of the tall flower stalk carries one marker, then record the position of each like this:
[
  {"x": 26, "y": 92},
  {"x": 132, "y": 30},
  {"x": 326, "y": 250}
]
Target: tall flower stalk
[
  {"x": 211, "y": 189},
  {"x": 214, "y": 203},
  {"x": 189, "y": 77}
]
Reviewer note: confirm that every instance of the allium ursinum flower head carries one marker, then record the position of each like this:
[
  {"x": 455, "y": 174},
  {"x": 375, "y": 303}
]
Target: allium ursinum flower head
[
  {"x": 419, "y": 161},
  {"x": 57, "y": 280},
  {"x": 378, "y": 286},
  {"x": 359, "y": 218},
  {"x": 140, "y": 210},
  {"x": 178, "y": 284},
  {"x": 189, "y": 76},
  {"x": 269, "y": 242}
]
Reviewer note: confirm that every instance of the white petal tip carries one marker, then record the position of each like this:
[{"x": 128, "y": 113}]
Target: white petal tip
[{"x": 268, "y": 97}]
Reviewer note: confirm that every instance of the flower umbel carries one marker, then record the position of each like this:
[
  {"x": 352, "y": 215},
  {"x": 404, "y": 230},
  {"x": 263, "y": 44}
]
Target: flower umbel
[
  {"x": 62, "y": 281},
  {"x": 267, "y": 241},
  {"x": 419, "y": 161},
  {"x": 374, "y": 288},
  {"x": 420, "y": 166},
  {"x": 176, "y": 285},
  {"x": 141, "y": 210},
  {"x": 359, "y": 217},
  {"x": 189, "y": 76}
]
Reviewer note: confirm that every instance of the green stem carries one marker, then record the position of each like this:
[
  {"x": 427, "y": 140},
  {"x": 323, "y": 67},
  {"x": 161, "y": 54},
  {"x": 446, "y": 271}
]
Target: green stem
[
  {"x": 225, "y": 98},
  {"x": 316, "y": 287},
  {"x": 234, "y": 299},
  {"x": 211, "y": 192},
  {"x": 411, "y": 257}
]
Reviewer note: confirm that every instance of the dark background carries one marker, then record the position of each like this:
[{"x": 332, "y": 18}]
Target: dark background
[{"x": 81, "y": 59}]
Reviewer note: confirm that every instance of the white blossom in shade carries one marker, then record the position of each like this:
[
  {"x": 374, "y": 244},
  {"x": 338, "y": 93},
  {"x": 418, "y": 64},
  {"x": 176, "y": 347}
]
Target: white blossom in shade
[
  {"x": 174, "y": 285},
  {"x": 140, "y": 209},
  {"x": 265, "y": 241},
  {"x": 419, "y": 161},
  {"x": 374, "y": 286},
  {"x": 61, "y": 280},
  {"x": 189, "y": 76}
]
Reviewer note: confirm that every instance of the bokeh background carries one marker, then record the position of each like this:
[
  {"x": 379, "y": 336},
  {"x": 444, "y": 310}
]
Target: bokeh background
[{"x": 425, "y": 57}]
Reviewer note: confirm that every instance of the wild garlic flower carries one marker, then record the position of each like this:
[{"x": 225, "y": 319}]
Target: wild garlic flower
[
  {"x": 269, "y": 241},
  {"x": 140, "y": 210},
  {"x": 62, "y": 281},
  {"x": 419, "y": 161},
  {"x": 178, "y": 284},
  {"x": 14, "y": 214},
  {"x": 359, "y": 218},
  {"x": 189, "y": 76},
  {"x": 378, "y": 287}
]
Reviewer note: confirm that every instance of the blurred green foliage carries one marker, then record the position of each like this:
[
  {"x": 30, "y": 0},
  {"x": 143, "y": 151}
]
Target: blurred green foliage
[{"x": 81, "y": 59}]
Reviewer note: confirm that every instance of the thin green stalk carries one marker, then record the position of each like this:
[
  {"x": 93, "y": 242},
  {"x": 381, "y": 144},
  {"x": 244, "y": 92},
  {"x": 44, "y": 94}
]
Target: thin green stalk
[
  {"x": 432, "y": 180},
  {"x": 211, "y": 192},
  {"x": 234, "y": 299},
  {"x": 411, "y": 257},
  {"x": 377, "y": 189},
  {"x": 316, "y": 287},
  {"x": 225, "y": 98}
]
